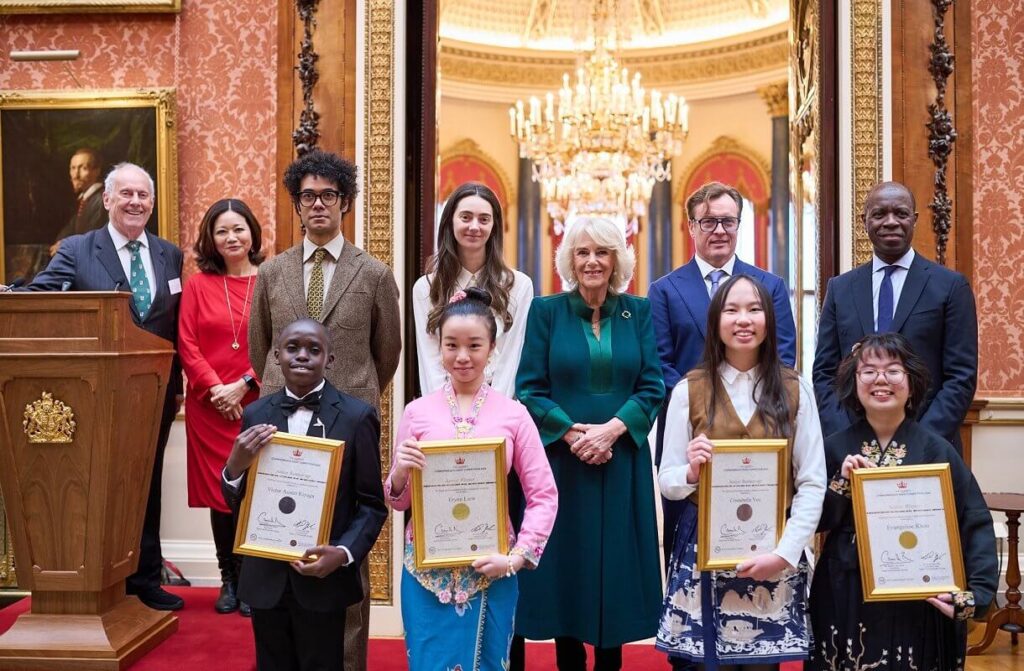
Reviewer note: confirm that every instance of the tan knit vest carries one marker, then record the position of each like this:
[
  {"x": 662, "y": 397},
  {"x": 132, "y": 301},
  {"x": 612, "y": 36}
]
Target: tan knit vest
[{"x": 727, "y": 423}]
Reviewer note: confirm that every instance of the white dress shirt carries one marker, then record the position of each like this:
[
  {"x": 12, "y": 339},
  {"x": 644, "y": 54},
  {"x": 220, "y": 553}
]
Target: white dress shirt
[
  {"x": 706, "y": 268},
  {"x": 298, "y": 423},
  {"x": 899, "y": 276},
  {"x": 329, "y": 263},
  {"x": 501, "y": 370},
  {"x": 125, "y": 256},
  {"x": 808, "y": 456}
]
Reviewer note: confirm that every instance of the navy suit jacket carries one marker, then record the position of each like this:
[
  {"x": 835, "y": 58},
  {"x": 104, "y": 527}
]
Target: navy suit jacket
[
  {"x": 359, "y": 508},
  {"x": 937, "y": 316},
  {"x": 679, "y": 308},
  {"x": 89, "y": 262}
]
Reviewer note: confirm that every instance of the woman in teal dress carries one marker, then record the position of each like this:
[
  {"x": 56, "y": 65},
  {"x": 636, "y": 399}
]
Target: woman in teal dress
[{"x": 591, "y": 380}]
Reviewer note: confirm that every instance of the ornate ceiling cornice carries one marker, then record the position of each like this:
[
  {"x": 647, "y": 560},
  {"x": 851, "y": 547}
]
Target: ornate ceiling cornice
[{"x": 470, "y": 71}]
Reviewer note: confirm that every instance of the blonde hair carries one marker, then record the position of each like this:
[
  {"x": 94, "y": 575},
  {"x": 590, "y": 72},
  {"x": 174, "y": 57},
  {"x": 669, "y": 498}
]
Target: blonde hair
[{"x": 606, "y": 234}]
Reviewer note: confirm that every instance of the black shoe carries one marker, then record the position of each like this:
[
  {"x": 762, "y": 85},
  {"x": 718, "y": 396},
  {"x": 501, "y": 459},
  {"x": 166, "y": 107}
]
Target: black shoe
[
  {"x": 227, "y": 602},
  {"x": 244, "y": 609},
  {"x": 158, "y": 598}
]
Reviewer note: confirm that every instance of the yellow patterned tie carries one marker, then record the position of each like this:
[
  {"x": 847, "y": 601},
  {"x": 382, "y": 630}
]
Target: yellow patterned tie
[{"x": 315, "y": 294}]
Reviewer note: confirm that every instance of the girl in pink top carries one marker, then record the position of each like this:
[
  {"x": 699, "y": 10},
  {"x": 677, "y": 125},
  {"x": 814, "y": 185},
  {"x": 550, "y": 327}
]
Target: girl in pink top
[{"x": 462, "y": 618}]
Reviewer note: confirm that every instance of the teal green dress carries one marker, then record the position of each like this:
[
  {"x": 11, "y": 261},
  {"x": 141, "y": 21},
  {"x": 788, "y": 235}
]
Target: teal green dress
[{"x": 599, "y": 581}]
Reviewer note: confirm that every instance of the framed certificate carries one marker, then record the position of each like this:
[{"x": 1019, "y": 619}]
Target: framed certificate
[
  {"x": 289, "y": 497},
  {"x": 743, "y": 494},
  {"x": 908, "y": 539},
  {"x": 460, "y": 504}
]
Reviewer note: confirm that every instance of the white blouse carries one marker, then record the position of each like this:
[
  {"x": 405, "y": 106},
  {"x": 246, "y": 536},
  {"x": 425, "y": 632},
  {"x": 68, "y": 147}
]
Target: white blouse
[
  {"x": 808, "y": 456},
  {"x": 501, "y": 371}
]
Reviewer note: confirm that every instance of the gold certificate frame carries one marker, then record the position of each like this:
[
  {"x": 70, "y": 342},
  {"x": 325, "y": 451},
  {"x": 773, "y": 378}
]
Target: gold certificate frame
[
  {"x": 289, "y": 497},
  {"x": 908, "y": 539},
  {"x": 736, "y": 518},
  {"x": 460, "y": 502}
]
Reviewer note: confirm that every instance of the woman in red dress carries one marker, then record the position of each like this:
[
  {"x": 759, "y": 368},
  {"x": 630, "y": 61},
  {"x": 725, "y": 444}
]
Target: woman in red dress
[{"x": 214, "y": 347}]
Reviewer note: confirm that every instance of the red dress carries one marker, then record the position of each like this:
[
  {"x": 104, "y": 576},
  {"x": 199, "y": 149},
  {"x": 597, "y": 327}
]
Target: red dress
[{"x": 204, "y": 345}]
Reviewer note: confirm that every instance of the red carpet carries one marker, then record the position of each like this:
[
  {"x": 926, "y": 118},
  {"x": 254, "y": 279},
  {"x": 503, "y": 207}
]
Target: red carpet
[{"x": 206, "y": 640}]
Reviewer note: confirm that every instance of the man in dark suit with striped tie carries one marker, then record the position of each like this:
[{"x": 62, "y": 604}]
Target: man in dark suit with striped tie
[
  {"x": 123, "y": 256},
  {"x": 901, "y": 291}
]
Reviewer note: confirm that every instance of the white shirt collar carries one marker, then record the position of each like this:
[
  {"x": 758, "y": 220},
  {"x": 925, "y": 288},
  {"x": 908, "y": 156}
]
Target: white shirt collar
[
  {"x": 288, "y": 392},
  {"x": 466, "y": 278},
  {"x": 706, "y": 267},
  {"x": 334, "y": 247},
  {"x": 903, "y": 262},
  {"x": 729, "y": 374},
  {"x": 91, "y": 190},
  {"x": 120, "y": 240}
]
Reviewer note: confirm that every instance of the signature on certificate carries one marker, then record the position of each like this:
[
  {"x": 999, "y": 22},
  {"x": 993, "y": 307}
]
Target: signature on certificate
[{"x": 269, "y": 520}]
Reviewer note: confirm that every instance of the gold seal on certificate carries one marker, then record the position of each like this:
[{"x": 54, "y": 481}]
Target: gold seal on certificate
[
  {"x": 289, "y": 497},
  {"x": 742, "y": 506},
  {"x": 460, "y": 509},
  {"x": 908, "y": 539}
]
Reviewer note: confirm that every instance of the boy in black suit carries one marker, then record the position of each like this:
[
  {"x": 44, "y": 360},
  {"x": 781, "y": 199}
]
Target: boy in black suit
[{"x": 299, "y": 607}]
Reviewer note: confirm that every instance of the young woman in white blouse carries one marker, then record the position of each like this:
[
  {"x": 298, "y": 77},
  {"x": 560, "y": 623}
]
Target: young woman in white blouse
[
  {"x": 469, "y": 254},
  {"x": 753, "y": 617}
]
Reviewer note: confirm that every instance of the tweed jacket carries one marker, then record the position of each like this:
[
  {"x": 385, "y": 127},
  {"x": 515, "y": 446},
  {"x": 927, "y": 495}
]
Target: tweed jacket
[{"x": 360, "y": 315}]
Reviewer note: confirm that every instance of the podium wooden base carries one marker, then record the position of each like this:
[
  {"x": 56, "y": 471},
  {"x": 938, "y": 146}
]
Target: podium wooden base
[{"x": 108, "y": 642}]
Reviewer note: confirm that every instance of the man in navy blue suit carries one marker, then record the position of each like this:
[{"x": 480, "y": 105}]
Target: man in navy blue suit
[
  {"x": 680, "y": 300},
  {"x": 902, "y": 292},
  {"x": 103, "y": 260}
]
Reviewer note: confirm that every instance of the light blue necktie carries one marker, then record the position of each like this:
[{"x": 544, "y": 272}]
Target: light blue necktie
[
  {"x": 716, "y": 277},
  {"x": 138, "y": 282},
  {"x": 886, "y": 301}
]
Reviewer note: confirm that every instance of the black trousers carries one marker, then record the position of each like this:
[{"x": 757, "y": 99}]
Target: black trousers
[
  {"x": 223, "y": 526},
  {"x": 292, "y": 638},
  {"x": 151, "y": 559},
  {"x": 570, "y": 655}
]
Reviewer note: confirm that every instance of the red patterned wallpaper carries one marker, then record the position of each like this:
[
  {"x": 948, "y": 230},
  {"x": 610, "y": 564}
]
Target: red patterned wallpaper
[
  {"x": 998, "y": 30},
  {"x": 221, "y": 57}
]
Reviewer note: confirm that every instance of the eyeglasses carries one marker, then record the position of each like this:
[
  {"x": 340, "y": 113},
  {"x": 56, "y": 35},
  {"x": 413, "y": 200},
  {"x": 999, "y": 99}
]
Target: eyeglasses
[
  {"x": 327, "y": 197},
  {"x": 709, "y": 224},
  {"x": 892, "y": 376}
]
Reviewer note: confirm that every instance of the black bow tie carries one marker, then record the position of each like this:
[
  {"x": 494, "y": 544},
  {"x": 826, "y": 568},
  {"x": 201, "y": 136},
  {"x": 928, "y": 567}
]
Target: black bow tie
[{"x": 310, "y": 401}]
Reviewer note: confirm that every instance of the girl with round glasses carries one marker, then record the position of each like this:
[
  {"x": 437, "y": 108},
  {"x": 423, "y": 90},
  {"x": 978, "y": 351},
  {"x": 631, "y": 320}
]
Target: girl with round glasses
[{"x": 884, "y": 384}]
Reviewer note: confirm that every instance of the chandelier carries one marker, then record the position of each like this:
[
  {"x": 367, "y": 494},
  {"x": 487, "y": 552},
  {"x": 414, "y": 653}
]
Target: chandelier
[{"x": 599, "y": 146}]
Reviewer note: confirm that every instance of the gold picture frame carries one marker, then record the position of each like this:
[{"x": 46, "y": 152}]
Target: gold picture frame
[
  {"x": 90, "y": 7},
  {"x": 737, "y": 456},
  {"x": 40, "y": 131},
  {"x": 264, "y": 473},
  {"x": 909, "y": 550},
  {"x": 460, "y": 480}
]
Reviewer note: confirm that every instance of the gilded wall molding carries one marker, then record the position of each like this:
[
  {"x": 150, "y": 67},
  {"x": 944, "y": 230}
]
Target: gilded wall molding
[
  {"x": 468, "y": 147},
  {"x": 776, "y": 98},
  {"x": 723, "y": 144},
  {"x": 468, "y": 63},
  {"x": 378, "y": 218},
  {"x": 866, "y": 61}
]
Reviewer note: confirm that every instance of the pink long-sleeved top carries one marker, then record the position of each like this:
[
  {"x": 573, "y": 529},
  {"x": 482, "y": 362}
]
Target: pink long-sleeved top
[{"x": 429, "y": 418}]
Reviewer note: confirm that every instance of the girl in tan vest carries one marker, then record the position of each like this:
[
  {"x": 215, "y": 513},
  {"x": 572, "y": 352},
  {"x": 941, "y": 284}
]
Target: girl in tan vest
[{"x": 753, "y": 617}]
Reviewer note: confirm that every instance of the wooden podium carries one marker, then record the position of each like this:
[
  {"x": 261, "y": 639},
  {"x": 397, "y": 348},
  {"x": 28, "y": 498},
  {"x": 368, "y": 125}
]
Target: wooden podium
[{"x": 81, "y": 389}]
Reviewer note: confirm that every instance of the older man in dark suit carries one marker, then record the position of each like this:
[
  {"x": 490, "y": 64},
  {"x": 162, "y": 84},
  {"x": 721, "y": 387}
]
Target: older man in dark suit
[
  {"x": 354, "y": 296},
  {"x": 901, "y": 291},
  {"x": 123, "y": 256}
]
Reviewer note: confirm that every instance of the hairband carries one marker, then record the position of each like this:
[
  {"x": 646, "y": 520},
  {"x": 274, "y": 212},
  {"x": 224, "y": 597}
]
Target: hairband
[{"x": 459, "y": 295}]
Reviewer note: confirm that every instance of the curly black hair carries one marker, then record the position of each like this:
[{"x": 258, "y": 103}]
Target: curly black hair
[{"x": 327, "y": 165}]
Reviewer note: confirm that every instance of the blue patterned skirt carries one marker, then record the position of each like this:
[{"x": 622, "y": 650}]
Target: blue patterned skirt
[
  {"x": 474, "y": 636},
  {"x": 713, "y": 617}
]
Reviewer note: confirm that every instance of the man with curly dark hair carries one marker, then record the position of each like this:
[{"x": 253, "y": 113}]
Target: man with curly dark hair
[{"x": 353, "y": 295}]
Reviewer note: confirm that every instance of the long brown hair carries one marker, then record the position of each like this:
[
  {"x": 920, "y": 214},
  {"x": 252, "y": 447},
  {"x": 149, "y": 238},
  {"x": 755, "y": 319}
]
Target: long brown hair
[
  {"x": 496, "y": 278},
  {"x": 769, "y": 391}
]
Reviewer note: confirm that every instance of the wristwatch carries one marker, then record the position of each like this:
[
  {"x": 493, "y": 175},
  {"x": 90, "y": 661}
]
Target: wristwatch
[{"x": 250, "y": 382}]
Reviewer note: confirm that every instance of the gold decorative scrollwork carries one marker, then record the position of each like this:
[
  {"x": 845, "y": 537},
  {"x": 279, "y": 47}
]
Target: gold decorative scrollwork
[
  {"x": 866, "y": 58},
  {"x": 378, "y": 217},
  {"x": 49, "y": 420},
  {"x": 7, "y": 573}
]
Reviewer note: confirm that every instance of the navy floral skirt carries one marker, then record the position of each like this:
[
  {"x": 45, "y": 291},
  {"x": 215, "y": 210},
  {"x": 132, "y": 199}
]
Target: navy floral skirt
[{"x": 713, "y": 617}]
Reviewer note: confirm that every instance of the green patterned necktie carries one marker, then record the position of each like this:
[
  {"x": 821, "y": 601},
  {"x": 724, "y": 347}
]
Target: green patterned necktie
[
  {"x": 138, "y": 282},
  {"x": 315, "y": 293}
]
